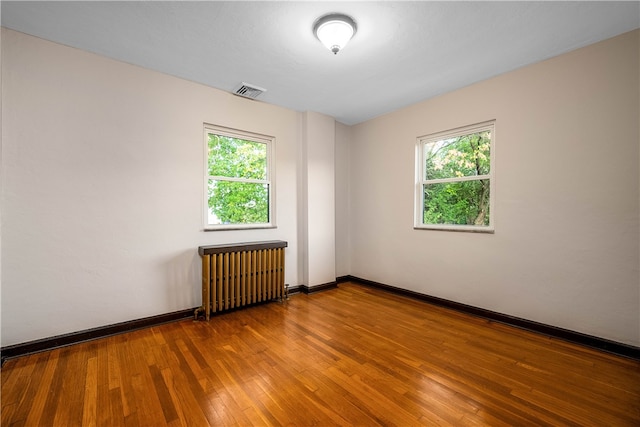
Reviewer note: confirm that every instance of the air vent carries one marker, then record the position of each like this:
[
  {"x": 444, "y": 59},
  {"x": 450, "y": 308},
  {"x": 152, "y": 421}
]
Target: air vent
[{"x": 249, "y": 91}]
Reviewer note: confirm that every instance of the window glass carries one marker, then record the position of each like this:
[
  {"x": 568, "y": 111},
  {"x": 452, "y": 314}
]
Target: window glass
[
  {"x": 459, "y": 203},
  {"x": 239, "y": 191},
  {"x": 454, "y": 189},
  {"x": 237, "y": 158},
  {"x": 465, "y": 155}
]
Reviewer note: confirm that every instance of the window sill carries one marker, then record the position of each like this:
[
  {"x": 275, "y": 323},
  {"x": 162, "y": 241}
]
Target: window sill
[
  {"x": 457, "y": 229},
  {"x": 239, "y": 227}
]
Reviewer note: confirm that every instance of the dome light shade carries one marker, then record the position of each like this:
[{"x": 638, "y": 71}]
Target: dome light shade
[{"x": 334, "y": 31}]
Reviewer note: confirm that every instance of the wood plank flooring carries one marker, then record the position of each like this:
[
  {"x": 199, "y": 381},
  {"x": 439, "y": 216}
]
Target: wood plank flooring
[{"x": 348, "y": 356}]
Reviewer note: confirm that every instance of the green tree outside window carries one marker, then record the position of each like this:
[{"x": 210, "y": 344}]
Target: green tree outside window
[
  {"x": 456, "y": 179},
  {"x": 238, "y": 190}
]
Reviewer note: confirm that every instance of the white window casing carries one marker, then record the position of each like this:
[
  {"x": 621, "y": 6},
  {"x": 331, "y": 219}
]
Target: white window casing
[
  {"x": 421, "y": 180},
  {"x": 268, "y": 180}
]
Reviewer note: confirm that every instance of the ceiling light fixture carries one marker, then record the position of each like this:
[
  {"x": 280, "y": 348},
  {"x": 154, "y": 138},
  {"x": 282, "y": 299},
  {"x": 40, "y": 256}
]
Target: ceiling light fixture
[{"x": 334, "y": 31}]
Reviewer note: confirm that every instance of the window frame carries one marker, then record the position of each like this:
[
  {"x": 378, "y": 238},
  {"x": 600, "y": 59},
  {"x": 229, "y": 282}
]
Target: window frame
[
  {"x": 420, "y": 180},
  {"x": 269, "y": 141}
]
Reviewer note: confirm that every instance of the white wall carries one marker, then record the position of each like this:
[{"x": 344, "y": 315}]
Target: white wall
[
  {"x": 1, "y": 191},
  {"x": 318, "y": 168},
  {"x": 566, "y": 247},
  {"x": 102, "y": 192},
  {"x": 343, "y": 136},
  {"x": 103, "y": 188}
]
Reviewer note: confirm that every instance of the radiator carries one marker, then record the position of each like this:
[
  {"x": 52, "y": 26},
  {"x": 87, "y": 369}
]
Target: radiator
[{"x": 240, "y": 274}]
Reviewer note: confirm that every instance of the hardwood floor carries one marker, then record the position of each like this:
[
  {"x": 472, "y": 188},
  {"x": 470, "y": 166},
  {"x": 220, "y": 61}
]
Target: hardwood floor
[{"x": 348, "y": 356}]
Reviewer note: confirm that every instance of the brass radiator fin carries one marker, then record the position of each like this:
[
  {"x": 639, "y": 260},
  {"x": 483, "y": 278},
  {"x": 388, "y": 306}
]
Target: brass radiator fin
[{"x": 241, "y": 274}]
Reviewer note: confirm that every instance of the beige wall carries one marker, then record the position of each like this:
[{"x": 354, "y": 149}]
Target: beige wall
[
  {"x": 103, "y": 197},
  {"x": 318, "y": 199},
  {"x": 566, "y": 247},
  {"x": 343, "y": 136},
  {"x": 102, "y": 192}
]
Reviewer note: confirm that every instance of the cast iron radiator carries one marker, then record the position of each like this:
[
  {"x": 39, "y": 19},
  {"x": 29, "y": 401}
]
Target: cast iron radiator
[{"x": 240, "y": 274}]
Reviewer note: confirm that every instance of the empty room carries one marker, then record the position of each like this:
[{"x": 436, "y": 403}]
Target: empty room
[{"x": 219, "y": 213}]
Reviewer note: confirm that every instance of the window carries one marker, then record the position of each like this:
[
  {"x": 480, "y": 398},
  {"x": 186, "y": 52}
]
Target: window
[
  {"x": 238, "y": 189},
  {"x": 455, "y": 185}
]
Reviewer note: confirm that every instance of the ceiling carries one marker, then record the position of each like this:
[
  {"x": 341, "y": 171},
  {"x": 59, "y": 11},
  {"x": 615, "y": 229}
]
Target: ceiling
[{"x": 402, "y": 53}]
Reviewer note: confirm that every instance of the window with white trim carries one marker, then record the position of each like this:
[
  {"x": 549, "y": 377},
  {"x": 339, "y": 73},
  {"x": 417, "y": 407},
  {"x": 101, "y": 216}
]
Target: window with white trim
[
  {"x": 454, "y": 179},
  {"x": 239, "y": 190}
]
